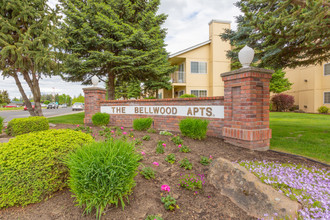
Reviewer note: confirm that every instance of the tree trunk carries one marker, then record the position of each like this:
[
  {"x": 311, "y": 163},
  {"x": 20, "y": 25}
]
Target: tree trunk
[
  {"x": 25, "y": 98},
  {"x": 111, "y": 86},
  {"x": 34, "y": 87},
  {"x": 156, "y": 93}
]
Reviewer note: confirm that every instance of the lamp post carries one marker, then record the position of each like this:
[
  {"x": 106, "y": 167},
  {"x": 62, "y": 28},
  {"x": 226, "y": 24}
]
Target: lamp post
[
  {"x": 95, "y": 81},
  {"x": 246, "y": 56}
]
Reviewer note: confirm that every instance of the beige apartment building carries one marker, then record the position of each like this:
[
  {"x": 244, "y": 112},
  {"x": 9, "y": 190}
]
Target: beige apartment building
[
  {"x": 200, "y": 66},
  {"x": 311, "y": 86}
]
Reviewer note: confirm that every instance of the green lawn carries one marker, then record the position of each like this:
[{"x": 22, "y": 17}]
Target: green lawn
[
  {"x": 68, "y": 119},
  {"x": 11, "y": 109},
  {"x": 302, "y": 134}
]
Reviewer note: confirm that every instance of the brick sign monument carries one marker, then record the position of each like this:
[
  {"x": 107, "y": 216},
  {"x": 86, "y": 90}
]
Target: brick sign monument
[{"x": 240, "y": 117}]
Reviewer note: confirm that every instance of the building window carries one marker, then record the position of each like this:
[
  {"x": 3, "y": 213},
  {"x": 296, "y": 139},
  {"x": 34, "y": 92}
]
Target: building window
[
  {"x": 199, "y": 67},
  {"x": 160, "y": 95},
  {"x": 327, "y": 98},
  {"x": 327, "y": 69},
  {"x": 181, "y": 93},
  {"x": 199, "y": 93}
]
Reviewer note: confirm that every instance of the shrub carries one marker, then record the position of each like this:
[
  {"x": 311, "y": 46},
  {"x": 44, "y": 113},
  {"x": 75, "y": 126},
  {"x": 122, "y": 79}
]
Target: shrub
[
  {"x": 205, "y": 160},
  {"x": 169, "y": 202},
  {"x": 146, "y": 138},
  {"x": 194, "y": 128},
  {"x": 1, "y": 124},
  {"x": 31, "y": 166},
  {"x": 160, "y": 149},
  {"x": 150, "y": 97},
  {"x": 192, "y": 182},
  {"x": 153, "y": 217},
  {"x": 99, "y": 119},
  {"x": 148, "y": 173},
  {"x": 170, "y": 158},
  {"x": 142, "y": 124},
  {"x": 323, "y": 109},
  {"x": 184, "y": 148},
  {"x": 185, "y": 163},
  {"x": 19, "y": 126},
  {"x": 102, "y": 173},
  {"x": 188, "y": 96},
  {"x": 177, "y": 140},
  {"x": 152, "y": 130},
  {"x": 282, "y": 102},
  {"x": 166, "y": 133}
]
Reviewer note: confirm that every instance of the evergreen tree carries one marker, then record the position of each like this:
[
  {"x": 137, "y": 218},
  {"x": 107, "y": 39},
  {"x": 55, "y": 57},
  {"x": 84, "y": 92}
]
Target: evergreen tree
[
  {"x": 27, "y": 41},
  {"x": 117, "y": 40},
  {"x": 127, "y": 90},
  {"x": 284, "y": 34},
  {"x": 279, "y": 83},
  {"x": 4, "y": 97}
]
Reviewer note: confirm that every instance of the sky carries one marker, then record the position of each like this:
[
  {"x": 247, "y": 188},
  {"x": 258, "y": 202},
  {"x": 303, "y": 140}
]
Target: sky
[{"x": 186, "y": 24}]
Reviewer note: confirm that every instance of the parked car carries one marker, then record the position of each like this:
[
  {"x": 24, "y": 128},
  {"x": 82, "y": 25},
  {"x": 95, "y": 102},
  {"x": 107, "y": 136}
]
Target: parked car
[
  {"x": 63, "y": 106},
  {"x": 52, "y": 105},
  {"x": 25, "y": 108},
  {"x": 11, "y": 105},
  {"x": 43, "y": 105},
  {"x": 78, "y": 106}
]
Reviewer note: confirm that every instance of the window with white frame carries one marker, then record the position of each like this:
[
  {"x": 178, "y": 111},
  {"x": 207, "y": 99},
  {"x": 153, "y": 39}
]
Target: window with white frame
[
  {"x": 327, "y": 98},
  {"x": 327, "y": 69},
  {"x": 198, "y": 67},
  {"x": 199, "y": 93}
]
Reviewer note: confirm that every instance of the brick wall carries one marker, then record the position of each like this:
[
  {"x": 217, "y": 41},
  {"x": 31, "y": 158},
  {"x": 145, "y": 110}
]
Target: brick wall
[{"x": 166, "y": 122}]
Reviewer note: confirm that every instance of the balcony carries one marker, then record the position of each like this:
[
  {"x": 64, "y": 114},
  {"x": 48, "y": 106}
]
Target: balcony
[{"x": 178, "y": 77}]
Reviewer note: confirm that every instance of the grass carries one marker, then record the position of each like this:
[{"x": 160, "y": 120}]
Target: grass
[
  {"x": 301, "y": 134},
  {"x": 68, "y": 119},
  {"x": 11, "y": 109}
]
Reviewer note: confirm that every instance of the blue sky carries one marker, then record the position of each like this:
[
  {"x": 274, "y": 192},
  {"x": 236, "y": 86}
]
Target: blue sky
[{"x": 187, "y": 25}]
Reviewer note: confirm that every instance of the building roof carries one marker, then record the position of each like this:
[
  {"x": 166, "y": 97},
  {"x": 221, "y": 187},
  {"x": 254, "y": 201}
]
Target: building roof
[{"x": 189, "y": 49}]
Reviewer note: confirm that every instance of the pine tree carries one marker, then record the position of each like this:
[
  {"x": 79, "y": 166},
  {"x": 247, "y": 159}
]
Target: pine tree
[
  {"x": 117, "y": 40},
  {"x": 279, "y": 83},
  {"x": 27, "y": 42},
  {"x": 285, "y": 34}
]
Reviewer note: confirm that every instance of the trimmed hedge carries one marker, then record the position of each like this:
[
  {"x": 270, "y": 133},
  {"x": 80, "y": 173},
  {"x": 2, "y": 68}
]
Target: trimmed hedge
[
  {"x": 103, "y": 173},
  {"x": 323, "y": 110},
  {"x": 19, "y": 126},
  {"x": 1, "y": 124},
  {"x": 142, "y": 124},
  {"x": 194, "y": 128},
  {"x": 31, "y": 167},
  {"x": 188, "y": 96},
  {"x": 100, "y": 119}
]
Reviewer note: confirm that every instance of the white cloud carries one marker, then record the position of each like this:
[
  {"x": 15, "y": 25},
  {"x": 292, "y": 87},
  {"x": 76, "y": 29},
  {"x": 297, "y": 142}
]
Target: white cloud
[{"x": 187, "y": 25}]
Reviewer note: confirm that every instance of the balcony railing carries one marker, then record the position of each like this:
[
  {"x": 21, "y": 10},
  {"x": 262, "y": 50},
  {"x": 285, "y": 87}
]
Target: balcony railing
[{"x": 178, "y": 77}]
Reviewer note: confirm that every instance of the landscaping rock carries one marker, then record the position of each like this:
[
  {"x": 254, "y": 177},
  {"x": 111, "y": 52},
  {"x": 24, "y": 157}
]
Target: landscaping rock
[
  {"x": 249, "y": 193},
  {"x": 52, "y": 125},
  {"x": 4, "y": 140}
]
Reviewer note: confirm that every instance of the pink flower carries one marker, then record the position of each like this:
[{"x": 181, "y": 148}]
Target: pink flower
[
  {"x": 211, "y": 157},
  {"x": 90, "y": 127},
  {"x": 124, "y": 132},
  {"x": 77, "y": 125},
  {"x": 155, "y": 163},
  {"x": 132, "y": 129},
  {"x": 164, "y": 144},
  {"x": 143, "y": 153},
  {"x": 112, "y": 131},
  {"x": 166, "y": 188},
  {"x": 179, "y": 145},
  {"x": 133, "y": 139},
  {"x": 122, "y": 128}
]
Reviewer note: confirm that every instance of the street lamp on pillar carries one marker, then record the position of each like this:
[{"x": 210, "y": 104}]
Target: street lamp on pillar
[
  {"x": 95, "y": 80},
  {"x": 246, "y": 56}
]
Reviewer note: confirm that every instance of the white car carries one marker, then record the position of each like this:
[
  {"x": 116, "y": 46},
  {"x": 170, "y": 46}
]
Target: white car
[{"x": 78, "y": 106}]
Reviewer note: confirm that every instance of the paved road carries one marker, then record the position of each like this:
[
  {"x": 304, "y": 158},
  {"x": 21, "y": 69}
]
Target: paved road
[{"x": 8, "y": 115}]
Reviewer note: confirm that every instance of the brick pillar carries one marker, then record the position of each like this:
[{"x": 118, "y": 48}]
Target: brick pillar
[
  {"x": 93, "y": 96},
  {"x": 246, "y": 101}
]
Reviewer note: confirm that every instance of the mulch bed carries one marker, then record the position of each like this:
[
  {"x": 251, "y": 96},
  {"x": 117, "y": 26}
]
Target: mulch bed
[{"x": 145, "y": 199}]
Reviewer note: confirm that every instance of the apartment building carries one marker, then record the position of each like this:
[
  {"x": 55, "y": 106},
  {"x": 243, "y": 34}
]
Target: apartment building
[
  {"x": 200, "y": 66},
  {"x": 311, "y": 86}
]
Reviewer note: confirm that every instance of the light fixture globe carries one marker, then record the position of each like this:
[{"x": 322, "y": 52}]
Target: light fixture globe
[
  {"x": 95, "y": 80},
  {"x": 246, "y": 56}
]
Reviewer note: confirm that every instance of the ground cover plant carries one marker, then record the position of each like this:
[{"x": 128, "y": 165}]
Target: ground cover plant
[
  {"x": 152, "y": 130},
  {"x": 100, "y": 119},
  {"x": 142, "y": 124},
  {"x": 102, "y": 174},
  {"x": 194, "y": 128},
  {"x": 169, "y": 203},
  {"x": 304, "y": 134},
  {"x": 31, "y": 166},
  {"x": 146, "y": 138},
  {"x": 185, "y": 163},
  {"x": 308, "y": 185},
  {"x": 170, "y": 158},
  {"x": 206, "y": 160},
  {"x": 184, "y": 148},
  {"x": 18, "y": 126},
  {"x": 148, "y": 173},
  {"x": 177, "y": 140},
  {"x": 192, "y": 182}
]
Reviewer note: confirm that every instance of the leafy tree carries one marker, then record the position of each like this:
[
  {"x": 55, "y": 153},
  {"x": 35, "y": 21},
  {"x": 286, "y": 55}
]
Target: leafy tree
[
  {"x": 284, "y": 34},
  {"x": 4, "y": 97},
  {"x": 119, "y": 40},
  {"x": 80, "y": 98},
  {"x": 27, "y": 41}
]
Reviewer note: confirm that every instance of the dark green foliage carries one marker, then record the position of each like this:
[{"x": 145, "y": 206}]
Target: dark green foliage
[
  {"x": 323, "y": 109},
  {"x": 4, "y": 97},
  {"x": 205, "y": 160},
  {"x": 153, "y": 217},
  {"x": 280, "y": 33},
  {"x": 142, "y": 124},
  {"x": 128, "y": 90},
  {"x": 170, "y": 158},
  {"x": 169, "y": 202},
  {"x": 1, "y": 124},
  {"x": 118, "y": 40},
  {"x": 28, "y": 38},
  {"x": 177, "y": 140},
  {"x": 19, "y": 126},
  {"x": 146, "y": 138},
  {"x": 31, "y": 165},
  {"x": 152, "y": 130},
  {"x": 194, "y": 128},
  {"x": 148, "y": 173},
  {"x": 185, "y": 163},
  {"x": 278, "y": 83},
  {"x": 188, "y": 96},
  {"x": 184, "y": 149},
  {"x": 102, "y": 173},
  {"x": 100, "y": 119}
]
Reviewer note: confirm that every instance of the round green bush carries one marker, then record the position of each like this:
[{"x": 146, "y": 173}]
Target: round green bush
[
  {"x": 194, "y": 128},
  {"x": 188, "y": 96},
  {"x": 31, "y": 166},
  {"x": 100, "y": 119},
  {"x": 103, "y": 173},
  {"x": 18, "y": 126},
  {"x": 323, "y": 109},
  {"x": 142, "y": 124}
]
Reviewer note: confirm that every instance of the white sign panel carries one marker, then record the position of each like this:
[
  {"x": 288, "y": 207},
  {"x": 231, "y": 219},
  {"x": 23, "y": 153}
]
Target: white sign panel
[{"x": 211, "y": 111}]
